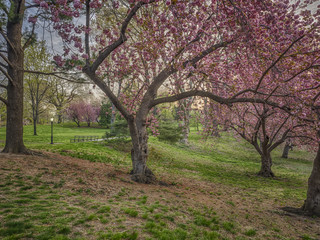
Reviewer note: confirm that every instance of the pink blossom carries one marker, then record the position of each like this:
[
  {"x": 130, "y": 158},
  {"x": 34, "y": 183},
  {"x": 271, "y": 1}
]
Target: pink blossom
[
  {"x": 32, "y": 19},
  {"x": 44, "y": 4},
  {"x": 85, "y": 56},
  {"x": 77, "y": 4}
]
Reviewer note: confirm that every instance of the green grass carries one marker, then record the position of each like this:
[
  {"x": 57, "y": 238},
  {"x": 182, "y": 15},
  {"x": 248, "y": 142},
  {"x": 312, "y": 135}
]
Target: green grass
[
  {"x": 62, "y": 133},
  {"x": 34, "y": 209}
]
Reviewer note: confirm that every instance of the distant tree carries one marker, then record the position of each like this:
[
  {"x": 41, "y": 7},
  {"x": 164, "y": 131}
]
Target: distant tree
[
  {"x": 263, "y": 127},
  {"x": 288, "y": 145},
  {"x": 75, "y": 111},
  {"x": 90, "y": 113},
  {"x": 37, "y": 86},
  {"x": 61, "y": 93},
  {"x": 105, "y": 114},
  {"x": 81, "y": 111}
]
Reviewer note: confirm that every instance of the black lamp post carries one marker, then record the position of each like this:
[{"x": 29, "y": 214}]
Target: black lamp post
[{"x": 51, "y": 130}]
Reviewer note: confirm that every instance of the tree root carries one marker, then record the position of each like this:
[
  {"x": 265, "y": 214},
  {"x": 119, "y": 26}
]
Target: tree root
[
  {"x": 148, "y": 177},
  {"x": 266, "y": 174},
  {"x": 23, "y": 151}
]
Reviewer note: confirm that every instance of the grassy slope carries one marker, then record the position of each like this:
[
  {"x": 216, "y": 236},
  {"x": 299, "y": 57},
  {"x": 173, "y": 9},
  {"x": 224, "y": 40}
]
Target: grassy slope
[{"x": 225, "y": 161}]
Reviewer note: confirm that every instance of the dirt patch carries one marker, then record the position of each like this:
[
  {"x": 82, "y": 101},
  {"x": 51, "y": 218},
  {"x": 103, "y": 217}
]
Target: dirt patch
[{"x": 102, "y": 181}]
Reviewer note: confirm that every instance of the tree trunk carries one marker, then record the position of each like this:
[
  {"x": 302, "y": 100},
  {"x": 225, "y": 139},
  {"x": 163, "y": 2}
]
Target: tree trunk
[
  {"x": 59, "y": 112},
  {"x": 113, "y": 117},
  {"x": 266, "y": 163},
  {"x": 35, "y": 120},
  {"x": 286, "y": 149},
  {"x": 59, "y": 118},
  {"x": 34, "y": 127},
  {"x": 139, "y": 154},
  {"x": 312, "y": 203},
  {"x": 14, "y": 130},
  {"x": 185, "y": 132}
]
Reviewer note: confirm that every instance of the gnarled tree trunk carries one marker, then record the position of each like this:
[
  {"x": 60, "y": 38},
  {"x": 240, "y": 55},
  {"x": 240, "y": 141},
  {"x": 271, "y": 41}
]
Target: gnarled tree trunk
[
  {"x": 266, "y": 164},
  {"x": 139, "y": 153},
  {"x": 14, "y": 130},
  {"x": 312, "y": 203}
]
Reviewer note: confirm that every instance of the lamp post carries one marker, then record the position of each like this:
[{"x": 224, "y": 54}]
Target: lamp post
[{"x": 51, "y": 130}]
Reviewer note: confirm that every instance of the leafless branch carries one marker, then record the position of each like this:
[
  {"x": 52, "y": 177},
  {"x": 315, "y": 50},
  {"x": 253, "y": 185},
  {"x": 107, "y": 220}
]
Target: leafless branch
[{"x": 4, "y": 100}]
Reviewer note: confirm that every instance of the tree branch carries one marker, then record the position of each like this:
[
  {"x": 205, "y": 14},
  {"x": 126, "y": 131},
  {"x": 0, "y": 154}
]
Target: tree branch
[
  {"x": 306, "y": 69},
  {"x": 7, "y": 39},
  {"x": 3, "y": 86},
  {"x": 276, "y": 61},
  {"x": 29, "y": 40},
  {"x": 56, "y": 74},
  {"x": 227, "y": 101},
  {"x": 102, "y": 85},
  {"x": 7, "y": 76},
  {"x": 4, "y": 100},
  {"x": 122, "y": 38},
  {"x": 6, "y": 59}
]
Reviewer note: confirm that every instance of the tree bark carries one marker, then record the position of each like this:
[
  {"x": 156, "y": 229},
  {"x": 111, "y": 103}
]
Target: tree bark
[
  {"x": 286, "y": 149},
  {"x": 34, "y": 127},
  {"x": 59, "y": 112},
  {"x": 185, "y": 134},
  {"x": 312, "y": 203},
  {"x": 14, "y": 130},
  {"x": 113, "y": 117},
  {"x": 139, "y": 153},
  {"x": 266, "y": 164}
]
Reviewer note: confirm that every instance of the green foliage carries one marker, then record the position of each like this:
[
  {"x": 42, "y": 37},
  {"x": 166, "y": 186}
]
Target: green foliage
[
  {"x": 105, "y": 116},
  {"x": 170, "y": 132},
  {"x": 119, "y": 129}
]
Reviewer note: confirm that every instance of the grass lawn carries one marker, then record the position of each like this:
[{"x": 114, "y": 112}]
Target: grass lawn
[
  {"x": 212, "y": 191},
  {"x": 62, "y": 133}
]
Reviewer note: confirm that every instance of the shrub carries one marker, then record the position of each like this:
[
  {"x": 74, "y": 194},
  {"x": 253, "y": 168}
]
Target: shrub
[
  {"x": 170, "y": 132},
  {"x": 119, "y": 129}
]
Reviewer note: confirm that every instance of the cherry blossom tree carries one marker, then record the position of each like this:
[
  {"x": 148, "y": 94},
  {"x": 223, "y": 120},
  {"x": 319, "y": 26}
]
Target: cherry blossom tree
[
  {"x": 264, "y": 128},
  {"x": 61, "y": 93},
  {"x": 90, "y": 113},
  {"x": 212, "y": 44},
  {"x": 76, "y": 111}
]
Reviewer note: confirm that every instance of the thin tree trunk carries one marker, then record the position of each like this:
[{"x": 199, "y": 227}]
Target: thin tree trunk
[
  {"x": 286, "y": 149},
  {"x": 59, "y": 115},
  {"x": 35, "y": 120},
  {"x": 139, "y": 154},
  {"x": 186, "y": 131},
  {"x": 14, "y": 130},
  {"x": 113, "y": 117},
  {"x": 266, "y": 164},
  {"x": 34, "y": 127},
  {"x": 312, "y": 203}
]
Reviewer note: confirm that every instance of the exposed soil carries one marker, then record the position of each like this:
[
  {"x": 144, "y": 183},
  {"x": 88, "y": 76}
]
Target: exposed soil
[{"x": 248, "y": 208}]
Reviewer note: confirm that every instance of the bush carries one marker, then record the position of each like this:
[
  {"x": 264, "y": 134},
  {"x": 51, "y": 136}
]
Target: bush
[
  {"x": 170, "y": 132},
  {"x": 119, "y": 129}
]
